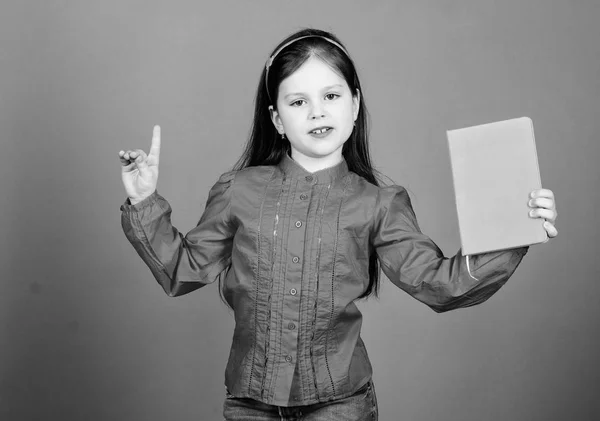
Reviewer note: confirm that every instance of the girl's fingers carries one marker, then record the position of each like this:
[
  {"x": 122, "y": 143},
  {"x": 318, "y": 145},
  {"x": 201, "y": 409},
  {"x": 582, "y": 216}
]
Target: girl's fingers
[
  {"x": 544, "y": 206},
  {"x": 127, "y": 155},
  {"x": 542, "y": 193},
  {"x": 136, "y": 157},
  {"x": 547, "y": 214},
  {"x": 541, "y": 202},
  {"x": 550, "y": 229},
  {"x": 155, "y": 146},
  {"x": 126, "y": 164},
  {"x": 124, "y": 157},
  {"x": 138, "y": 153},
  {"x": 132, "y": 155}
]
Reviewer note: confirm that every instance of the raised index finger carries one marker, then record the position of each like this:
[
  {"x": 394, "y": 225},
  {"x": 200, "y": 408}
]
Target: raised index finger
[{"x": 155, "y": 147}]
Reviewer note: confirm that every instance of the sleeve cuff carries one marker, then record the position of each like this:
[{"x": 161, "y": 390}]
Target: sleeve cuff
[
  {"x": 127, "y": 206},
  {"x": 519, "y": 252},
  {"x": 469, "y": 268}
]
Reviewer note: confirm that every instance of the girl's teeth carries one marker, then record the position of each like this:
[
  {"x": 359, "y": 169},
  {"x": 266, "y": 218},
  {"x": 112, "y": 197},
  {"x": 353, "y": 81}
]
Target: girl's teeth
[{"x": 319, "y": 131}]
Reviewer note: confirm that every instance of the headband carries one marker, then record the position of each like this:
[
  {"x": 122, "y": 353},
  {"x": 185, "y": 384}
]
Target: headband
[{"x": 270, "y": 60}]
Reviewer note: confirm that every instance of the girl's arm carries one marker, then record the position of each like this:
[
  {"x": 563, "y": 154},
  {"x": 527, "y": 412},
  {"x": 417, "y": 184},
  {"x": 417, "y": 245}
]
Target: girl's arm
[
  {"x": 179, "y": 263},
  {"x": 414, "y": 263}
]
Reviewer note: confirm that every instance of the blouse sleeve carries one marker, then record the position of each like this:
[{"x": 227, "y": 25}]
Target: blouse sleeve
[
  {"x": 414, "y": 263},
  {"x": 182, "y": 264}
]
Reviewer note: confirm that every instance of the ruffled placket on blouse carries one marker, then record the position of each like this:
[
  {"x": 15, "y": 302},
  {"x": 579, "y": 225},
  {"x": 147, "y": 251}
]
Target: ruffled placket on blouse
[{"x": 290, "y": 372}]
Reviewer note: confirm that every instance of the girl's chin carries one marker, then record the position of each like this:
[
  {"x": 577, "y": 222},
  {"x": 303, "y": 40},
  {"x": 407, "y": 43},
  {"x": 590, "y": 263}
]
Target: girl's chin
[
  {"x": 319, "y": 148},
  {"x": 314, "y": 154}
]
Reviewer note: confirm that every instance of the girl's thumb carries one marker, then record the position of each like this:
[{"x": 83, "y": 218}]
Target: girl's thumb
[{"x": 141, "y": 164}]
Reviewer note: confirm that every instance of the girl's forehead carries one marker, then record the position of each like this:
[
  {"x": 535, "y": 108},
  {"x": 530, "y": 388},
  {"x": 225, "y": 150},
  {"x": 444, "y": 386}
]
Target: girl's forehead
[{"x": 313, "y": 74}]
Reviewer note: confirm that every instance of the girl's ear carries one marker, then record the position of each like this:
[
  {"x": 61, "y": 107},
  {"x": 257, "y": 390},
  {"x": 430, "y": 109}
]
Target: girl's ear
[
  {"x": 356, "y": 104},
  {"x": 276, "y": 120}
]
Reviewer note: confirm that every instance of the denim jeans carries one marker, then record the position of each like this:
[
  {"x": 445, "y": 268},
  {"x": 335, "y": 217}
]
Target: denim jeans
[{"x": 362, "y": 406}]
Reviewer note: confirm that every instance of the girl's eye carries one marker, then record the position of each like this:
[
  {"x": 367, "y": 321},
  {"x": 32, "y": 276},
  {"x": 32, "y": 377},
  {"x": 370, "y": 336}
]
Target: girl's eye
[
  {"x": 331, "y": 96},
  {"x": 297, "y": 103}
]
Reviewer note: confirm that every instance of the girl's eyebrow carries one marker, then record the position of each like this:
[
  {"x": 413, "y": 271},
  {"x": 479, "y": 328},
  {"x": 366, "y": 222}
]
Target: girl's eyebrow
[{"x": 326, "y": 88}]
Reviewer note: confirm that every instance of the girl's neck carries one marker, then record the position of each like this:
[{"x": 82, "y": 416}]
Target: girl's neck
[{"x": 313, "y": 165}]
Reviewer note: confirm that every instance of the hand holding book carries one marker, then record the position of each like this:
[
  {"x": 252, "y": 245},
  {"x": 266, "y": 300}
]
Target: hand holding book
[{"x": 543, "y": 206}]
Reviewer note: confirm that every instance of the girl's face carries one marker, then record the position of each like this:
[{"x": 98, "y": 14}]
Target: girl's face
[{"x": 316, "y": 111}]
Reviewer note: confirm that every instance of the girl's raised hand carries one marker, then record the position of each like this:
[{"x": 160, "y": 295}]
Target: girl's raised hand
[
  {"x": 543, "y": 206},
  {"x": 140, "y": 171}
]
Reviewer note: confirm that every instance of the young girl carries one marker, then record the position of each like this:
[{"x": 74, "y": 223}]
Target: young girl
[{"x": 298, "y": 231}]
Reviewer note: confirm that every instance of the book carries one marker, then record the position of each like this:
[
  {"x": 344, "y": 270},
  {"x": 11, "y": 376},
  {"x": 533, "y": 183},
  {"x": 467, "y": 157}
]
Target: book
[{"x": 494, "y": 169}]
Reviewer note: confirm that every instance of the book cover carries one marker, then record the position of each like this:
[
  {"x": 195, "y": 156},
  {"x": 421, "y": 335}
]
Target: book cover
[{"x": 494, "y": 169}]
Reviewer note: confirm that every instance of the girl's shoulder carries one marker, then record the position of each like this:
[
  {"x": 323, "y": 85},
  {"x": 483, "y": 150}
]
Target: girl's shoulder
[
  {"x": 257, "y": 174},
  {"x": 378, "y": 199},
  {"x": 247, "y": 176},
  {"x": 365, "y": 188}
]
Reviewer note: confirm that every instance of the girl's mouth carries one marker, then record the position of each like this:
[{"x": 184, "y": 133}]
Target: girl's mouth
[{"x": 320, "y": 132}]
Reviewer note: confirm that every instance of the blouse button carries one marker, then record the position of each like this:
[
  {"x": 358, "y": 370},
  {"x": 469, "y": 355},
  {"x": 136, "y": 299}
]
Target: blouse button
[
  {"x": 309, "y": 178},
  {"x": 291, "y": 326},
  {"x": 293, "y": 291},
  {"x": 296, "y": 259},
  {"x": 288, "y": 358},
  {"x": 303, "y": 197},
  {"x": 298, "y": 224}
]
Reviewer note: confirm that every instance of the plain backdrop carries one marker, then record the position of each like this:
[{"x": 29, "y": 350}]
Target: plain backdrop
[{"x": 88, "y": 334}]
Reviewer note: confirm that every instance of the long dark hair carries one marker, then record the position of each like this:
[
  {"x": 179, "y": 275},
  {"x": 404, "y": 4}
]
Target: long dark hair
[{"x": 265, "y": 147}]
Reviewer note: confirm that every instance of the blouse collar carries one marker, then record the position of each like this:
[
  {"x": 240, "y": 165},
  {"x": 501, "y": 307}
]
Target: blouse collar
[{"x": 325, "y": 176}]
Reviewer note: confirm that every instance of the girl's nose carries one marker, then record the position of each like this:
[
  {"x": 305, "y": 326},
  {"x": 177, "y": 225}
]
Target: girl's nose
[{"x": 317, "y": 111}]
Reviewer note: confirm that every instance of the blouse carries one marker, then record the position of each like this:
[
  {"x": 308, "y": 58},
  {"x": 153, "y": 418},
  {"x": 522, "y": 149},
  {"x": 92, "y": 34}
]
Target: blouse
[{"x": 292, "y": 251}]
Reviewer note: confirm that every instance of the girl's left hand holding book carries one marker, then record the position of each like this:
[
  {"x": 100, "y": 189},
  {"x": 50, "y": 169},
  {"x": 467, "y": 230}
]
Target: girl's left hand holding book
[{"x": 543, "y": 206}]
